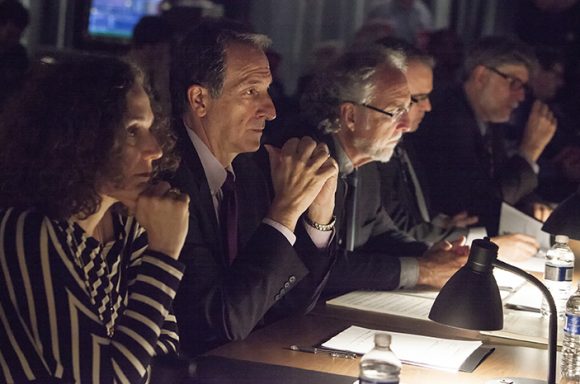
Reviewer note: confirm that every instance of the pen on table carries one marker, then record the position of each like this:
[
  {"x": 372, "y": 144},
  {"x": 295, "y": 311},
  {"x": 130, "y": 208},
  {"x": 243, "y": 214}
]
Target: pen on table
[
  {"x": 522, "y": 307},
  {"x": 331, "y": 352},
  {"x": 506, "y": 288}
]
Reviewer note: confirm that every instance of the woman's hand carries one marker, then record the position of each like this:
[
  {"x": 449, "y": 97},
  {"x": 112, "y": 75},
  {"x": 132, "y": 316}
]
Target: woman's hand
[{"x": 164, "y": 213}]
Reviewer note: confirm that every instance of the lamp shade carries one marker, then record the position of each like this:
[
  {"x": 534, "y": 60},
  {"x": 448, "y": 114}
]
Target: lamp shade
[
  {"x": 565, "y": 219},
  {"x": 471, "y": 299}
]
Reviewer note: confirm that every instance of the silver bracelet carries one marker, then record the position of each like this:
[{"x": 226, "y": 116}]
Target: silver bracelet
[{"x": 321, "y": 227}]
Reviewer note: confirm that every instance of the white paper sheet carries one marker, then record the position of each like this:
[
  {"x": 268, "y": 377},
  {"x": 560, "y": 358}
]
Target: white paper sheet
[
  {"x": 411, "y": 349},
  {"x": 412, "y": 304},
  {"x": 527, "y": 296},
  {"x": 518, "y": 325},
  {"x": 507, "y": 281},
  {"x": 537, "y": 263},
  {"x": 525, "y": 326},
  {"x": 391, "y": 303},
  {"x": 514, "y": 221}
]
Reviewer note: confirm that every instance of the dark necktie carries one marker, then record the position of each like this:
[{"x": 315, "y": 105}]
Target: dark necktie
[
  {"x": 412, "y": 182},
  {"x": 229, "y": 216},
  {"x": 351, "y": 211},
  {"x": 488, "y": 143}
]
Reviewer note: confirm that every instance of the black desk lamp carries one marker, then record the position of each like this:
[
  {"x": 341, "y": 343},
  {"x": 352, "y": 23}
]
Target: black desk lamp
[
  {"x": 471, "y": 299},
  {"x": 565, "y": 220}
]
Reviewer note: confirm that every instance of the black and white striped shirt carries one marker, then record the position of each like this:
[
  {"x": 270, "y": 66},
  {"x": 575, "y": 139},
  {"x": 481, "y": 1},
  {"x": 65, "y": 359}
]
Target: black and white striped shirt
[{"x": 75, "y": 310}]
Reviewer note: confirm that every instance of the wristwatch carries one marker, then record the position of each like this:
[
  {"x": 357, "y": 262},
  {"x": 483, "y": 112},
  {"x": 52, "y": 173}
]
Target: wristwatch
[{"x": 321, "y": 227}]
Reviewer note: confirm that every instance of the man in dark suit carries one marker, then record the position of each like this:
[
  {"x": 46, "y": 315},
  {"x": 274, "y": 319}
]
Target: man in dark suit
[
  {"x": 404, "y": 183},
  {"x": 465, "y": 159},
  {"x": 360, "y": 104},
  {"x": 272, "y": 256}
]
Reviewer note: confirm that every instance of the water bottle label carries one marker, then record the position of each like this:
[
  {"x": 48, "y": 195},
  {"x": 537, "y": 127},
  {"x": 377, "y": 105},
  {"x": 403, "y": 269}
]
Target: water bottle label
[
  {"x": 572, "y": 324},
  {"x": 558, "y": 273}
]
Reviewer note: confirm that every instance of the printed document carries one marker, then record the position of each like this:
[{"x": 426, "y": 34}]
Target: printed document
[
  {"x": 418, "y": 350},
  {"x": 513, "y": 220}
]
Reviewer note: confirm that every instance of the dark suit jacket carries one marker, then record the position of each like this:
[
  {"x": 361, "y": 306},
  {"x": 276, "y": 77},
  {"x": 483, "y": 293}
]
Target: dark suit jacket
[
  {"x": 400, "y": 200},
  {"x": 374, "y": 263},
  {"x": 218, "y": 302},
  {"x": 459, "y": 168}
]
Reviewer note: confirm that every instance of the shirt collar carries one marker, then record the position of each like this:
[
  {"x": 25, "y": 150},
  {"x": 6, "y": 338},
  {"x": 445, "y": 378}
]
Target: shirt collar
[
  {"x": 345, "y": 166},
  {"x": 214, "y": 171}
]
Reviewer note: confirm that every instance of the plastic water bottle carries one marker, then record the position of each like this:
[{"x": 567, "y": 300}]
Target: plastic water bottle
[
  {"x": 558, "y": 274},
  {"x": 571, "y": 344},
  {"x": 380, "y": 365}
]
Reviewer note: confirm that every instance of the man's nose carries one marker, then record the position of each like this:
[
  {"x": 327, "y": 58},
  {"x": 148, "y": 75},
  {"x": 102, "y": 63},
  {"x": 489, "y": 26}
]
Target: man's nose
[
  {"x": 404, "y": 123},
  {"x": 520, "y": 94},
  {"x": 267, "y": 108},
  {"x": 426, "y": 105}
]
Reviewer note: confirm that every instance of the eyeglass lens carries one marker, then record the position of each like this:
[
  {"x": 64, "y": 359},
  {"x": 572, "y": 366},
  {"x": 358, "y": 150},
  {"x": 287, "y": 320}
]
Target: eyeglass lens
[{"x": 515, "y": 83}]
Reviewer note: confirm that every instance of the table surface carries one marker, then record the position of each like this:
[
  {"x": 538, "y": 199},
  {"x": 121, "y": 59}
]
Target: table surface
[
  {"x": 511, "y": 358},
  {"x": 270, "y": 345}
]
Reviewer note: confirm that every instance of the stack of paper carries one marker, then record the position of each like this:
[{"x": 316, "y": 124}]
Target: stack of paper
[
  {"x": 518, "y": 324},
  {"x": 391, "y": 303},
  {"x": 411, "y": 349},
  {"x": 527, "y": 298},
  {"x": 415, "y": 304}
]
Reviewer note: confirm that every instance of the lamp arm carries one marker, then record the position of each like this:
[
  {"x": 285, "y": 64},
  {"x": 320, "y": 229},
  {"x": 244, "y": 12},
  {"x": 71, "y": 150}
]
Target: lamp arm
[{"x": 553, "y": 320}]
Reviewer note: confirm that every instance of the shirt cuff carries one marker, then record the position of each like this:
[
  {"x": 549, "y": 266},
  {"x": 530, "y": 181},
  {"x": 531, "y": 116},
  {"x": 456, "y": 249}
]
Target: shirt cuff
[
  {"x": 321, "y": 239},
  {"x": 409, "y": 272},
  {"x": 475, "y": 233},
  {"x": 286, "y": 232},
  {"x": 533, "y": 164}
]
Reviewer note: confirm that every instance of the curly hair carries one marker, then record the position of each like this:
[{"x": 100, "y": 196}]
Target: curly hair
[{"x": 63, "y": 134}]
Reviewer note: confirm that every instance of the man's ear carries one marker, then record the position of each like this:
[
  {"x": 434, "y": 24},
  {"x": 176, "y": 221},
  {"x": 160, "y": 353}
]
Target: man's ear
[
  {"x": 198, "y": 98},
  {"x": 480, "y": 74},
  {"x": 347, "y": 116}
]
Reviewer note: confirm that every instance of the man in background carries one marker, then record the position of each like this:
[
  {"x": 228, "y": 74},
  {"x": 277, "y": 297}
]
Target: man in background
[
  {"x": 404, "y": 186},
  {"x": 466, "y": 162},
  {"x": 360, "y": 107}
]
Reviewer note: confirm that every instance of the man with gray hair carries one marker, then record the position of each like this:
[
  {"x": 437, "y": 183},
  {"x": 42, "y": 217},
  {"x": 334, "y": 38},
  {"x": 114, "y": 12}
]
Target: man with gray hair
[
  {"x": 403, "y": 185},
  {"x": 403, "y": 181},
  {"x": 250, "y": 257},
  {"x": 466, "y": 162},
  {"x": 360, "y": 105}
]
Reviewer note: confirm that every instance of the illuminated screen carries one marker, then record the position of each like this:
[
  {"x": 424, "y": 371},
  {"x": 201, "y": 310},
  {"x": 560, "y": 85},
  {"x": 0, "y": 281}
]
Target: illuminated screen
[{"x": 116, "y": 18}]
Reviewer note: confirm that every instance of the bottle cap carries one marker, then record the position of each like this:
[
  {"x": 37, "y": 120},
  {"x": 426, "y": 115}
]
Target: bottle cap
[
  {"x": 382, "y": 339},
  {"x": 562, "y": 239}
]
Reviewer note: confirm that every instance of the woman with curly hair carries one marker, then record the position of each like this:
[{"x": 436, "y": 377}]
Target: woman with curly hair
[{"x": 88, "y": 242}]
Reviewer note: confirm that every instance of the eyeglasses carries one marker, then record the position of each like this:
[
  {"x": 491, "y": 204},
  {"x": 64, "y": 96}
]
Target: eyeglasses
[
  {"x": 395, "y": 114},
  {"x": 515, "y": 83}
]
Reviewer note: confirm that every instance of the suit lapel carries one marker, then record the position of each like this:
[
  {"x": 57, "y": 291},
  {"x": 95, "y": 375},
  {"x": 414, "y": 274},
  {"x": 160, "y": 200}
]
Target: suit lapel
[{"x": 191, "y": 177}]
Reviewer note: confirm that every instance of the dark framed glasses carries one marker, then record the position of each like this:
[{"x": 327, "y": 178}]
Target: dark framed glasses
[
  {"x": 395, "y": 114},
  {"x": 515, "y": 83}
]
